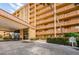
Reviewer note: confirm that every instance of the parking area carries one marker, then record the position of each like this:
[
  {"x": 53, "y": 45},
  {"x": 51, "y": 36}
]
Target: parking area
[{"x": 35, "y": 48}]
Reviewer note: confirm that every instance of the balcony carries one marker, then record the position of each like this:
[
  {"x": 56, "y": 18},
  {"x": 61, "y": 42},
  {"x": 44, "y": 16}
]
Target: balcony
[
  {"x": 45, "y": 32},
  {"x": 40, "y": 33},
  {"x": 58, "y": 31},
  {"x": 59, "y": 5},
  {"x": 32, "y": 15},
  {"x": 45, "y": 26},
  {"x": 32, "y": 6},
  {"x": 69, "y": 22},
  {"x": 31, "y": 11},
  {"x": 45, "y": 15},
  {"x": 71, "y": 30},
  {"x": 31, "y": 21},
  {"x": 44, "y": 21},
  {"x": 67, "y": 8},
  {"x": 39, "y": 7},
  {"x": 69, "y": 15},
  {"x": 43, "y": 10},
  {"x": 67, "y": 30},
  {"x": 72, "y": 22}
]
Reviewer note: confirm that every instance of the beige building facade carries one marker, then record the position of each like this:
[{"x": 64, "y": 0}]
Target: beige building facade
[{"x": 49, "y": 20}]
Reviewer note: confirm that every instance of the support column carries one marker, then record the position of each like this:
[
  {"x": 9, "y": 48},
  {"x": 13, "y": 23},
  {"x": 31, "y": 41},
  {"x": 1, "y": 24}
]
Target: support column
[
  {"x": 32, "y": 32},
  {"x": 21, "y": 34},
  {"x": 54, "y": 19},
  {"x": 35, "y": 19}
]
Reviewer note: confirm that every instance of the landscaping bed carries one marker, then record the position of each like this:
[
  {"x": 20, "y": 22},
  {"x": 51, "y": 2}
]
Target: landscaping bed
[{"x": 61, "y": 40}]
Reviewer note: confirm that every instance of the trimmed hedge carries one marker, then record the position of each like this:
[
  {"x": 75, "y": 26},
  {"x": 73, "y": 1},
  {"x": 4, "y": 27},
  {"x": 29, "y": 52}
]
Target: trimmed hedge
[
  {"x": 63, "y": 41},
  {"x": 78, "y": 41},
  {"x": 71, "y": 34}
]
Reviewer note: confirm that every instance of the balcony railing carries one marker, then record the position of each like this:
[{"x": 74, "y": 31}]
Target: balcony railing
[
  {"x": 45, "y": 21},
  {"x": 44, "y": 10},
  {"x": 59, "y": 5},
  {"x": 45, "y": 26},
  {"x": 45, "y": 15},
  {"x": 65, "y": 30},
  {"x": 71, "y": 30},
  {"x": 69, "y": 22},
  {"x": 31, "y": 11},
  {"x": 32, "y": 15},
  {"x": 45, "y": 32},
  {"x": 66, "y": 8},
  {"x": 57, "y": 31},
  {"x": 68, "y": 15},
  {"x": 40, "y": 7},
  {"x": 32, "y": 6}
]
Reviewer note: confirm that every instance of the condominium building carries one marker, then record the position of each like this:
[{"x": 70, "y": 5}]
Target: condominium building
[{"x": 50, "y": 20}]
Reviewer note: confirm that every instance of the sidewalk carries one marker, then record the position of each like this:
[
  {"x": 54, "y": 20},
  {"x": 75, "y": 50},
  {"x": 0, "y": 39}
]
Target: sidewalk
[{"x": 40, "y": 41}]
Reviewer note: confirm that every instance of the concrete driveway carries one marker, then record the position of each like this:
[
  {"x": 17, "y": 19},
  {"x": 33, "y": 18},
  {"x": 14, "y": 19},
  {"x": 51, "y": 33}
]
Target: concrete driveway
[{"x": 35, "y": 48}]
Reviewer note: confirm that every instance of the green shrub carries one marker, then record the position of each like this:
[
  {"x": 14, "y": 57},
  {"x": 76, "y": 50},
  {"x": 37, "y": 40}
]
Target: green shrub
[
  {"x": 63, "y": 41},
  {"x": 78, "y": 41},
  {"x": 71, "y": 34},
  {"x": 76, "y": 35}
]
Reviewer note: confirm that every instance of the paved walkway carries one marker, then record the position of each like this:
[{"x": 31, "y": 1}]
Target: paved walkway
[{"x": 36, "y": 48}]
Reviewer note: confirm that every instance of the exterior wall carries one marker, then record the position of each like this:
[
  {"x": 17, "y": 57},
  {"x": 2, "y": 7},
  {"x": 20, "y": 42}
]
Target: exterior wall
[
  {"x": 66, "y": 20},
  {"x": 32, "y": 20},
  {"x": 42, "y": 17},
  {"x": 22, "y": 13},
  {"x": 44, "y": 21},
  {"x": 4, "y": 34}
]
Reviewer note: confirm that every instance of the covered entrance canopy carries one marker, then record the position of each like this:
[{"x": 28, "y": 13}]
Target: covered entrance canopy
[{"x": 8, "y": 22}]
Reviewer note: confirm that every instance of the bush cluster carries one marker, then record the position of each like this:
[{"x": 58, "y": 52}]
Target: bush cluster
[
  {"x": 71, "y": 34},
  {"x": 59, "y": 40}
]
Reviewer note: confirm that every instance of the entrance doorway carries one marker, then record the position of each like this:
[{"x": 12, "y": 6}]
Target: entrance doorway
[
  {"x": 25, "y": 34},
  {"x": 16, "y": 35}
]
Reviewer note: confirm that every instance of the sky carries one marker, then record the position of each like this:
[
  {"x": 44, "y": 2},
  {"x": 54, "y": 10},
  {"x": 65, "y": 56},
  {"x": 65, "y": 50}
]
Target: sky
[{"x": 11, "y": 7}]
